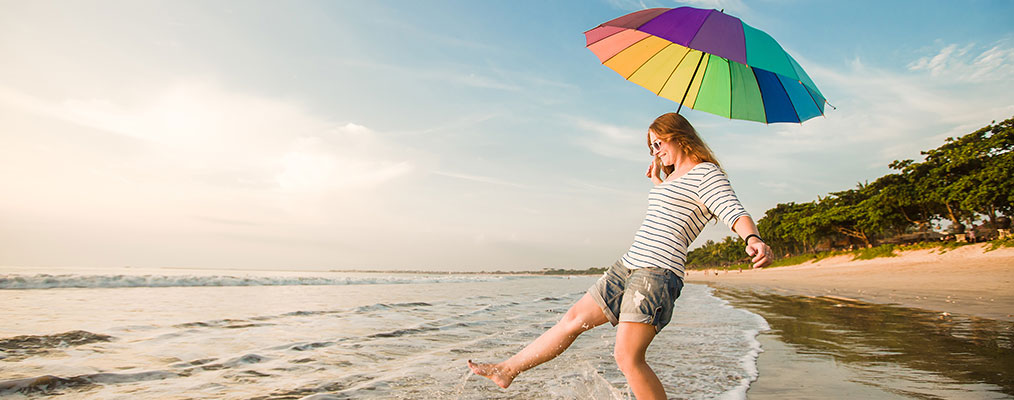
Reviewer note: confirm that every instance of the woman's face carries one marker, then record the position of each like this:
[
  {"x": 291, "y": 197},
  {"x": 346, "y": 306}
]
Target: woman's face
[{"x": 668, "y": 152}]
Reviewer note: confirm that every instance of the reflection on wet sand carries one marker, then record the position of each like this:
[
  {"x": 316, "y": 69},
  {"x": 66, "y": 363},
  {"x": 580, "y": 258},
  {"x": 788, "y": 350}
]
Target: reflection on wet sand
[{"x": 910, "y": 352}]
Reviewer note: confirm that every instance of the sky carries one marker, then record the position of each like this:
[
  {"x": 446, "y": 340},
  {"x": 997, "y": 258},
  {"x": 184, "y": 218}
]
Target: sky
[{"x": 436, "y": 135}]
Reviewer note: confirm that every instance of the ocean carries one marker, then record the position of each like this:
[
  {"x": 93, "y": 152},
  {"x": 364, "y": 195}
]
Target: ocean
[{"x": 228, "y": 334}]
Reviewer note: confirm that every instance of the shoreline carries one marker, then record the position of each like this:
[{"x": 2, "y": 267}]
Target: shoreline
[{"x": 966, "y": 280}]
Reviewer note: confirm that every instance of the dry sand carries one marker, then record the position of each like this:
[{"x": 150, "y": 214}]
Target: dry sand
[{"x": 967, "y": 280}]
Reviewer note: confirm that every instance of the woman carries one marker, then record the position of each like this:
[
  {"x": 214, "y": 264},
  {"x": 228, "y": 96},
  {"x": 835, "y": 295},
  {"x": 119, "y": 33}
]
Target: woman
[{"x": 637, "y": 293}]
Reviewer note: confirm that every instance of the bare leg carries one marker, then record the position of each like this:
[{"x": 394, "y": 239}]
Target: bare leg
[
  {"x": 582, "y": 316},
  {"x": 632, "y": 340}
]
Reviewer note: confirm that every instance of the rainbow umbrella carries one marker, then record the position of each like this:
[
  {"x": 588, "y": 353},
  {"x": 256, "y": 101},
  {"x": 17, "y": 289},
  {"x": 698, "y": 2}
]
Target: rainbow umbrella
[{"x": 709, "y": 61}]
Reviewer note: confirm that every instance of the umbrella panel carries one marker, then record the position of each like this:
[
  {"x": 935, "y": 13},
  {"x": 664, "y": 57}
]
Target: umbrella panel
[
  {"x": 714, "y": 96},
  {"x": 746, "y": 96},
  {"x": 765, "y": 53}
]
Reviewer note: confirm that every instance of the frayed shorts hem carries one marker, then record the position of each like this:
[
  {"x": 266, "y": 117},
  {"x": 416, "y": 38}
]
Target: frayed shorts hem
[
  {"x": 639, "y": 318},
  {"x": 595, "y": 295}
]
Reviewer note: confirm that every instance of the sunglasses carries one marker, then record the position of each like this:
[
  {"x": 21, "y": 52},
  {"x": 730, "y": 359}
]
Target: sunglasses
[{"x": 656, "y": 145}]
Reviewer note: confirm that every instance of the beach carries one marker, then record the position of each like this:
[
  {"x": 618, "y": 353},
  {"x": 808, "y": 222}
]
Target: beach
[
  {"x": 966, "y": 280},
  {"x": 923, "y": 324}
]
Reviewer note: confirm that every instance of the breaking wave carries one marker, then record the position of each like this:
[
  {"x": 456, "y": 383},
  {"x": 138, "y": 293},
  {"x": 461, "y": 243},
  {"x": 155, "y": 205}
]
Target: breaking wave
[{"x": 46, "y": 281}]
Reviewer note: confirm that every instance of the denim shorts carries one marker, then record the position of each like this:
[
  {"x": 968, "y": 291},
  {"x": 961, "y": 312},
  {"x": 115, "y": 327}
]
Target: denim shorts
[{"x": 645, "y": 295}]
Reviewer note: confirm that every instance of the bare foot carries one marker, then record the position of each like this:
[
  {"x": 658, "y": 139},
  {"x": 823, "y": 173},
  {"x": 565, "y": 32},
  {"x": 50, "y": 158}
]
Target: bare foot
[{"x": 500, "y": 376}]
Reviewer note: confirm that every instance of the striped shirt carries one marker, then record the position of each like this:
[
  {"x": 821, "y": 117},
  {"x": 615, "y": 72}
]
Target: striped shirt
[{"x": 677, "y": 212}]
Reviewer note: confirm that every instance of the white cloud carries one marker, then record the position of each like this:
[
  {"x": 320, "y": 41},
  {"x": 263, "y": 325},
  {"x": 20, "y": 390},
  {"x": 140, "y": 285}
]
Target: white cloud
[
  {"x": 199, "y": 129},
  {"x": 631, "y": 5},
  {"x": 612, "y": 141},
  {"x": 966, "y": 63},
  {"x": 593, "y": 187},
  {"x": 313, "y": 165},
  {"x": 461, "y": 75},
  {"x": 478, "y": 178},
  {"x": 191, "y": 152}
]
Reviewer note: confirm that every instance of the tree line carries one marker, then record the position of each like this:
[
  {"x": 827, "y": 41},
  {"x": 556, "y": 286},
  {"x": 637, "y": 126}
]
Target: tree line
[{"x": 967, "y": 179}]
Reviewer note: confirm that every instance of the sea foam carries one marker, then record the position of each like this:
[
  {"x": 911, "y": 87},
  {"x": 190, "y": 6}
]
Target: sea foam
[
  {"x": 749, "y": 360},
  {"x": 46, "y": 281}
]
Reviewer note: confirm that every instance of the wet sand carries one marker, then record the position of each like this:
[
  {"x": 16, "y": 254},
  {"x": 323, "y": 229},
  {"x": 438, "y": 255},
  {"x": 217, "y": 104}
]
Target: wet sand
[
  {"x": 820, "y": 347},
  {"x": 920, "y": 325}
]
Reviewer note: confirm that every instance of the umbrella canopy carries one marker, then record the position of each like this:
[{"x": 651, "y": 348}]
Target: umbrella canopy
[{"x": 709, "y": 61}]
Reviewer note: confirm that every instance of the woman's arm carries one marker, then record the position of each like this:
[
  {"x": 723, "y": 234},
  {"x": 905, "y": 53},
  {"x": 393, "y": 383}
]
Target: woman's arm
[{"x": 755, "y": 247}]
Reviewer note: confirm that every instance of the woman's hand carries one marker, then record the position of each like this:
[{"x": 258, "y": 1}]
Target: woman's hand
[
  {"x": 761, "y": 253},
  {"x": 654, "y": 171}
]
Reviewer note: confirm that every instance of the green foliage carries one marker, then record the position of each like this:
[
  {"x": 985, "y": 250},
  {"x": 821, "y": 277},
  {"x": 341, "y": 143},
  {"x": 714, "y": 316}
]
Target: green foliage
[
  {"x": 969, "y": 175},
  {"x": 721, "y": 254},
  {"x": 996, "y": 244},
  {"x": 788, "y": 228},
  {"x": 589, "y": 271},
  {"x": 793, "y": 260},
  {"x": 848, "y": 213},
  {"x": 886, "y": 250},
  {"x": 966, "y": 177},
  {"x": 941, "y": 247}
]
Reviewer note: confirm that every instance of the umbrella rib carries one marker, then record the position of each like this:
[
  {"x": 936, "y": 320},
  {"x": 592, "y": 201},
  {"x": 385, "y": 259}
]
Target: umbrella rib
[
  {"x": 645, "y": 61},
  {"x": 694, "y": 75},
  {"x": 699, "y": 31},
  {"x": 673, "y": 71},
  {"x": 811, "y": 97},
  {"x": 604, "y": 38},
  {"x": 730, "y": 87},
  {"x": 800, "y": 80},
  {"x": 618, "y": 53},
  {"x": 703, "y": 77},
  {"x": 761, "y": 92},
  {"x": 782, "y": 86}
]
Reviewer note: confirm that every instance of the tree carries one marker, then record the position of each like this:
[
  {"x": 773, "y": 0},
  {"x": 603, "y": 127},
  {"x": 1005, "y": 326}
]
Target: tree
[
  {"x": 969, "y": 174},
  {"x": 894, "y": 205},
  {"x": 990, "y": 186},
  {"x": 900, "y": 192},
  {"x": 783, "y": 228},
  {"x": 847, "y": 213},
  {"x": 711, "y": 254}
]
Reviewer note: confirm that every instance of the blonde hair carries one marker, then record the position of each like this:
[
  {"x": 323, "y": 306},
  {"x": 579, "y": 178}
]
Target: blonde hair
[{"x": 672, "y": 127}]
